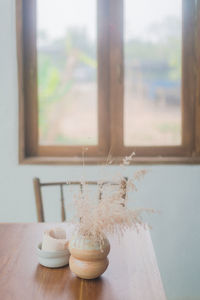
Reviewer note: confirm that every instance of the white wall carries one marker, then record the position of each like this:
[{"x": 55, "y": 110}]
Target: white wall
[{"x": 174, "y": 190}]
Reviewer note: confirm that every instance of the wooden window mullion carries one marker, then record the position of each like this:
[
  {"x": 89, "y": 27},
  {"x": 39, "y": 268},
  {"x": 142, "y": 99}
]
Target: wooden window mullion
[
  {"x": 28, "y": 76},
  {"x": 116, "y": 76},
  {"x": 188, "y": 75},
  {"x": 197, "y": 106},
  {"x": 103, "y": 76}
]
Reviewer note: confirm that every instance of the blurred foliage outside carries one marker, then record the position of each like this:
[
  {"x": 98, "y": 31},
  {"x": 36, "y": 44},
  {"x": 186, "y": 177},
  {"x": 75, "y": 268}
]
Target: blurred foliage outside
[{"x": 67, "y": 75}]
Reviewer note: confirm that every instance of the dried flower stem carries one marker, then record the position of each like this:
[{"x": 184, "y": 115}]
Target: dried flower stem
[{"x": 109, "y": 216}]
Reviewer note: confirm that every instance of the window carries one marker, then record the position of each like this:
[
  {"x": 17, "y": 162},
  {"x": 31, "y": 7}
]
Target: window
[{"x": 112, "y": 75}]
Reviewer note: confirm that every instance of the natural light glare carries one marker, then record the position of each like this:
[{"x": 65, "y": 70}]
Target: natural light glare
[
  {"x": 140, "y": 15},
  {"x": 55, "y": 17}
]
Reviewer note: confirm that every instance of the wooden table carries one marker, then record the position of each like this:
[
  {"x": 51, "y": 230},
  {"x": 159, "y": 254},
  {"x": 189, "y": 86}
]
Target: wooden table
[{"x": 132, "y": 273}]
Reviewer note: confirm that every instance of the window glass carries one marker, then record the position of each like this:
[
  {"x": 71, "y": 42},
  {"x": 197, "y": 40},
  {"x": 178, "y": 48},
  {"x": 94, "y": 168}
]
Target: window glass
[
  {"x": 152, "y": 53},
  {"x": 67, "y": 72}
]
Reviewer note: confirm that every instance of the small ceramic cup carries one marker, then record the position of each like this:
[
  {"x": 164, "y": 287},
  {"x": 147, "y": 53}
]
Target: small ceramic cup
[
  {"x": 54, "y": 240},
  {"x": 53, "y": 259}
]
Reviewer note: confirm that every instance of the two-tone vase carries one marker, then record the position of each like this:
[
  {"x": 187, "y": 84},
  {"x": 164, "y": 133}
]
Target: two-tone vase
[{"x": 88, "y": 259}]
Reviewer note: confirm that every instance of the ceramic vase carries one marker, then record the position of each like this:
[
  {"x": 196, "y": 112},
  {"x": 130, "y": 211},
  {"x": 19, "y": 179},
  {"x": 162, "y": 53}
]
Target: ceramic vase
[{"x": 88, "y": 260}]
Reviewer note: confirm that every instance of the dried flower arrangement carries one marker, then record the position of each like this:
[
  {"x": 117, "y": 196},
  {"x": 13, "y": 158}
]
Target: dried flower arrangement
[{"x": 111, "y": 214}]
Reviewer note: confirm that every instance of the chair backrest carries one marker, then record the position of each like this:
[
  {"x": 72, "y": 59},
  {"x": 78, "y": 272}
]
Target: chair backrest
[{"x": 38, "y": 193}]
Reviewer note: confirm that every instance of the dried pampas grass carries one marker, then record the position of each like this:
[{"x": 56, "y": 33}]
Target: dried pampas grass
[{"x": 110, "y": 215}]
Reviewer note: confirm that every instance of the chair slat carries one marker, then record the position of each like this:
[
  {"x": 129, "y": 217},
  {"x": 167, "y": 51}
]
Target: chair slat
[
  {"x": 63, "y": 215},
  {"x": 81, "y": 187},
  {"x": 38, "y": 199},
  {"x": 123, "y": 189},
  {"x": 100, "y": 191}
]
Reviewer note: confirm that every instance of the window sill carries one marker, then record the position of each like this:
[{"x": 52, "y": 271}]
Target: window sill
[{"x": 40, "y": 160}]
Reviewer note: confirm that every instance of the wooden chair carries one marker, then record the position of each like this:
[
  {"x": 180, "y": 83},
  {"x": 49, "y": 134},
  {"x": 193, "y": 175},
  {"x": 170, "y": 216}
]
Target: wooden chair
[{"x": 38, "y": 193}]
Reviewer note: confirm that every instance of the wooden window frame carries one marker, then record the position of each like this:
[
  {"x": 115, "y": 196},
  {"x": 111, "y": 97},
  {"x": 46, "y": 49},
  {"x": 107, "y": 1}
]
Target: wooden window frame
[{"x": 110, "y": 92}]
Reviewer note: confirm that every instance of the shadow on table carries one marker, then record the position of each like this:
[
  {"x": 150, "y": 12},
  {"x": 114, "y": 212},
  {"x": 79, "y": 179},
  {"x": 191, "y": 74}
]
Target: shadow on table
[{"x": 62, "y": 283}]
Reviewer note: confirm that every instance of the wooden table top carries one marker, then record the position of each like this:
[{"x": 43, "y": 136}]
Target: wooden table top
[{"x": 132, "y": 273}]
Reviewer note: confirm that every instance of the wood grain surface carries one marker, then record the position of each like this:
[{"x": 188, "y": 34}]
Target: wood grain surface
[{"x": 132, "y": 273}]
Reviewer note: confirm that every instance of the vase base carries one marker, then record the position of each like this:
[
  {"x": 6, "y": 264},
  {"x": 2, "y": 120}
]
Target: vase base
[{"x": 88, "y": 269}]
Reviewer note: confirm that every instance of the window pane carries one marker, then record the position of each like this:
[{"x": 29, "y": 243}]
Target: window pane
[
  {"x": 152, "y": 49},
  {"x": 67, "y": 72}
]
